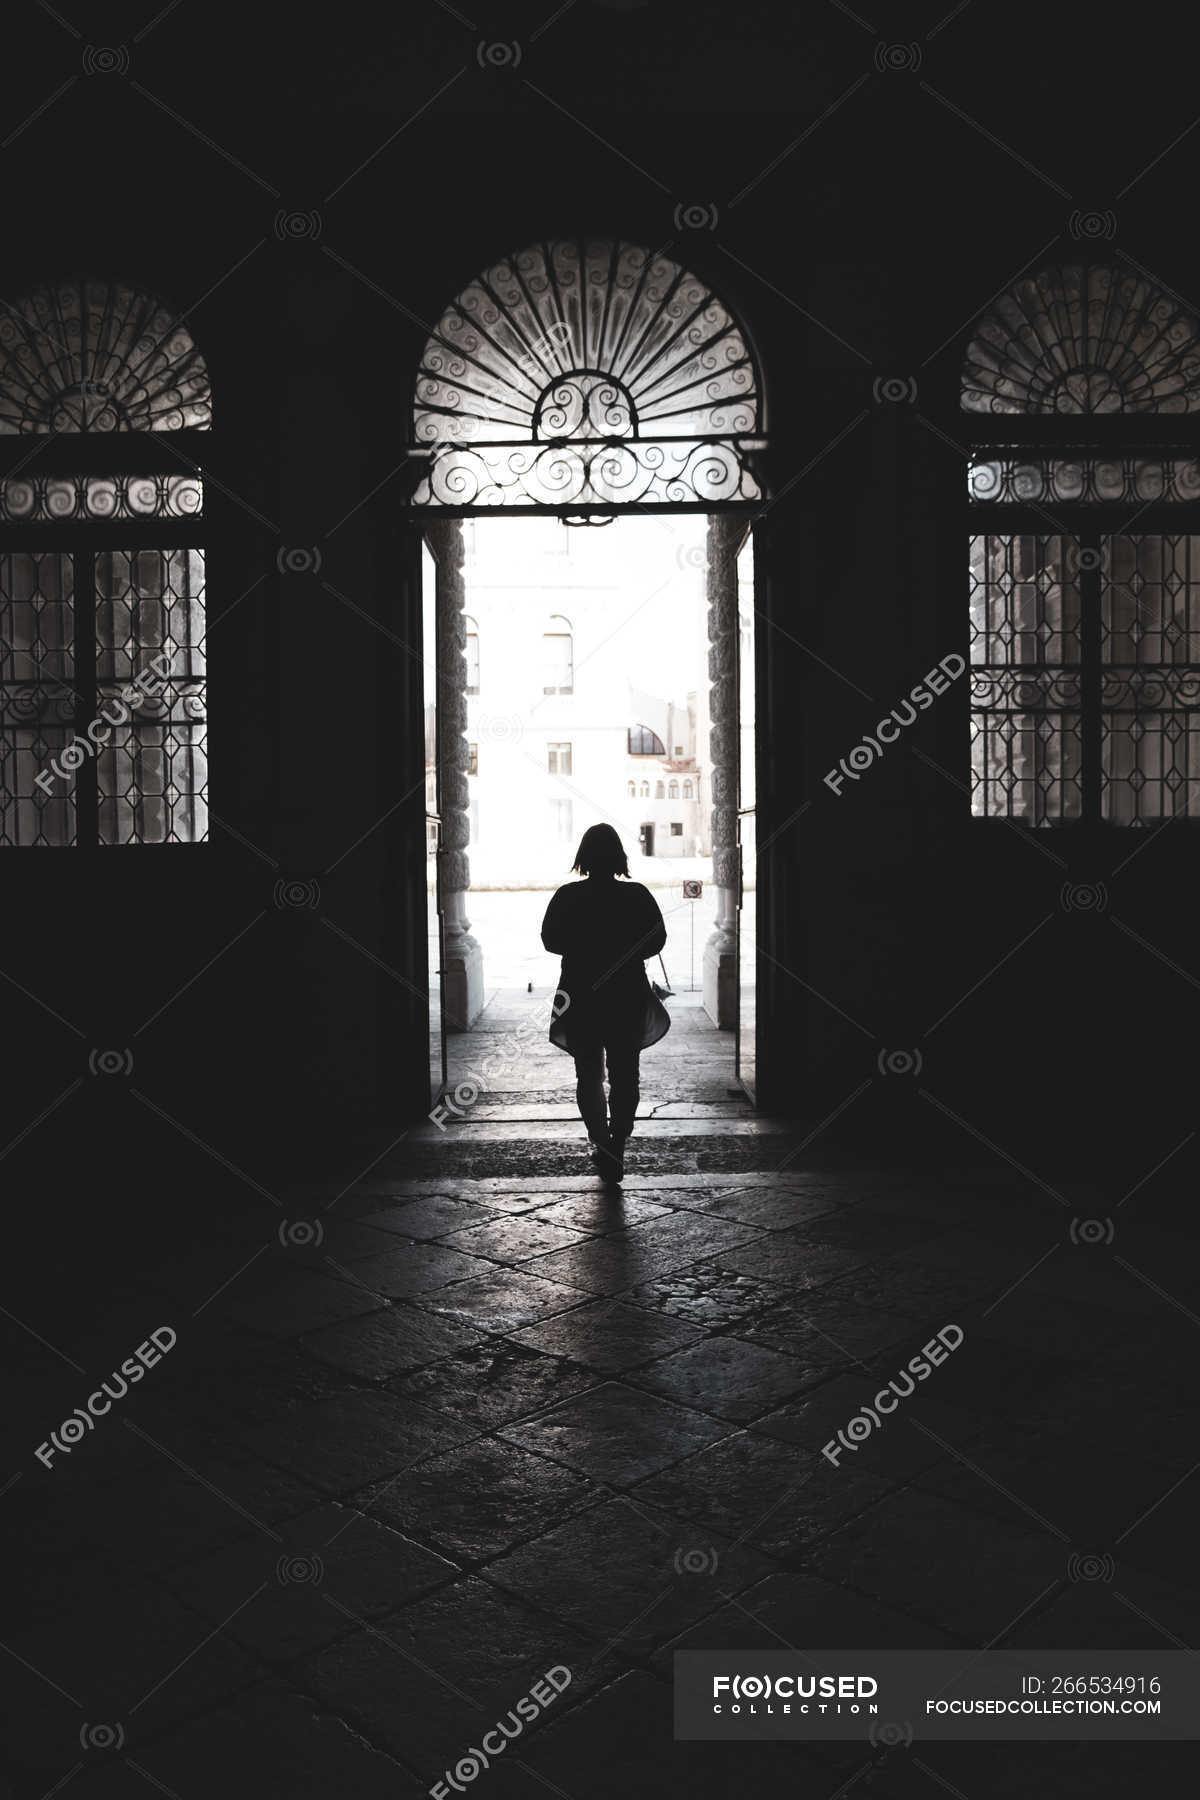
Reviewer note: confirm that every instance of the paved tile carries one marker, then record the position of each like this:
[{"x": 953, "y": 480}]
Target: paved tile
[
  {"x": 431, "y": 1216},
  {"x": 627, "y": 1575},
  {"x": 493, "y": 1384},
  {"x": 514, "y": 1240},
  {"x": 321, "y": 1571},
  {"x": 602, "y": 1212},
  {"x": 779, "y": 1497},
  {"x": 279, "y": 1747},
  {"x": 389, "y": 1342},
  {"x": 478, "y": 1500},
  {"x": 609, "y": 1336},
  {"x": 339, "y": 1445},
  {"x": 949, "y": 1565},
  {"x": 710, "y": 1295},
  {"x": 416, "y": 1269},
  {"x": 728, "y": 1378},
  {"x": 423, "y": 1682},
  {"x": 616, "y": 1433},
  {"x": 502, "y": 1299}
]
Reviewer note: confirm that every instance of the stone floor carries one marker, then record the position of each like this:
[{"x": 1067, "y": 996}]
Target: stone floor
[{"x": 471, "y": 1416}]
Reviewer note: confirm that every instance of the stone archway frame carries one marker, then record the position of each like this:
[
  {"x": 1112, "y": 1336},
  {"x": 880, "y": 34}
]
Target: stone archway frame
[
  {"x": 462, "y": 961},
  {"x": 726, "y": 535}
]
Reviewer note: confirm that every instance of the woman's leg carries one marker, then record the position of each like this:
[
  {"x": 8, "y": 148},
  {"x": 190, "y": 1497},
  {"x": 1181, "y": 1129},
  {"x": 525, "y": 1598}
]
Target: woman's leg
[
  {"x": 622, "y": 1087},
  {"x": 589, "y": 1091}
]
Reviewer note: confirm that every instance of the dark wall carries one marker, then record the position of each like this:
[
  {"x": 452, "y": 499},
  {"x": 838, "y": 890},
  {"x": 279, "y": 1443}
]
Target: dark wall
[{"x": 312, "y": 193}]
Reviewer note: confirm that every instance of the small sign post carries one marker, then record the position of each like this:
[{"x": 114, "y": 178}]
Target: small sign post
[{"x": 692, "y": 890}]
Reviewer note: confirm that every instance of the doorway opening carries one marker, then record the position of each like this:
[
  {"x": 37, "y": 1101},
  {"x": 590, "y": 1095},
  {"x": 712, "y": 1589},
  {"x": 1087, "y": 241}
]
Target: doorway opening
[{"x": 584, "y": 676}]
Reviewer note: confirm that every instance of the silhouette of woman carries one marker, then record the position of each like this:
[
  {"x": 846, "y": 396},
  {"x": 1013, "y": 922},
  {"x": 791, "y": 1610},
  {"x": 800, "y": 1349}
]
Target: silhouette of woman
[{"x": 604, "y": 930}]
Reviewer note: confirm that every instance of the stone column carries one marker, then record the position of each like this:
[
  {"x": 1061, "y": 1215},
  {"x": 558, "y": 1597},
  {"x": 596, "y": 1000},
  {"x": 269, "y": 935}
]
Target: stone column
[
  {"x": 462, "y": 964},
  {"x": 720, "y": 952}
]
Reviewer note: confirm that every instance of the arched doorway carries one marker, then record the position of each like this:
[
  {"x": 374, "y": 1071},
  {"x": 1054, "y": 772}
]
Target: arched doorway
[{"x": 582, "y": 381}]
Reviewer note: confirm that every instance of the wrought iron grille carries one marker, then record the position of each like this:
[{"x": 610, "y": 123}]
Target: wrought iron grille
[
  {"x": 98, "y": 356},
  {"x": 102, "y": 572},
  {"x": 1084, "y": 566},
  {"x": 1084, "y": 338},
  {"x": 586, "y": 374},
  {"x": 102, "y": 697}
]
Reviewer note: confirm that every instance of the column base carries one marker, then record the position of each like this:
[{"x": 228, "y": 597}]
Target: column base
[
  {"x": 462, "y": 985},
  {"x": 721, "y": 984}
]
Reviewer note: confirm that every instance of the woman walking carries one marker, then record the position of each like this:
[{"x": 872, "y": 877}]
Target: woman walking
[{"x": 605, "y": 928}]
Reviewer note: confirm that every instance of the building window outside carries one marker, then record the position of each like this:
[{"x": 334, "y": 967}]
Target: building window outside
[
  {"x": 558, "y": 759},
  {"x": 676, "y": 828},
  {"x": 644, "y": 742},
  {"x": 472, "y": 657},
  {"x": 472, "y": 759},
  {"x": 558, "y": 658}
]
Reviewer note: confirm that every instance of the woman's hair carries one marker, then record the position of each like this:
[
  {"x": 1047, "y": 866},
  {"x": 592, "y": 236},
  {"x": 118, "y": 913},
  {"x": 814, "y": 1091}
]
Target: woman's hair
[{"x": 600, "y": 852}]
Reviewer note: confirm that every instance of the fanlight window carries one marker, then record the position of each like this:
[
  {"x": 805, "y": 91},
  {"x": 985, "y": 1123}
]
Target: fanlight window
[
  {"x": 1084, "y": 338},
  {"x": 103, "y": 735},
  {"x": 1084, "y": 559},
  {"x": 642, "y": 741},
  {"x": 587, "y": 373},
  {"x": 90, "y": 356}
]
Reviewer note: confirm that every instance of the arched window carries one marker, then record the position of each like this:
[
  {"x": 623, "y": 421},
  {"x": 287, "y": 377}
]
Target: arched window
[
  {"x": 687, "y": 790},
  {"x": 587, "y": 374},
  {"x": 472, "y": 649},
  {"x": 1084, "y": 580},
  {"x": 645, "y": 790},
  {"x": 641, "y": 741},
  {"x": 102, "y": 653},
  {"x": 558, "y": 657},
  {"x": 632, "y": 790},
  {"x": 673, "y": 790},
  {"x": 660, "y": 792}
]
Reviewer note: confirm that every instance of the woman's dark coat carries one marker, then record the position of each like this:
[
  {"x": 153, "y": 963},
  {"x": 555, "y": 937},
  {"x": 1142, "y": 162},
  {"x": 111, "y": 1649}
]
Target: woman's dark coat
[{"x": 604, "y": 930}]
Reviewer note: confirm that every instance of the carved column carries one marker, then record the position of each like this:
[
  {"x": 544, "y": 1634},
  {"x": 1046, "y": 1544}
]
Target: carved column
[
  {"x": 462, "y": 964},
  {"x": 720, "y": 952}
]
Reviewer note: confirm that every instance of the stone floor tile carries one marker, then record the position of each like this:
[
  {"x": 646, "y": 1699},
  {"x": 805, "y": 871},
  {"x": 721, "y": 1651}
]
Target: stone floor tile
[
  {"x": 340, "y": 1445},
  {"x": 617, "y": 1434},
  {"x": 514, "y": 1240},
  {"x": 477, "y": 1501},
  {"x": 728, "y": 1378},
  {"x": 627, "y": 1575},
  {"x": 947, "y": 1564},
  {"x": 776, "y": 1496},
  {"x": 389, "y": 1342},
  {"x": 502, "y": 1300},
  {"x": 494, "y": 1384},
  {"x": 314, "y": 1579},
  {"x": 426, "y": 1681},
  {"x": 609, "y": 1336}
]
